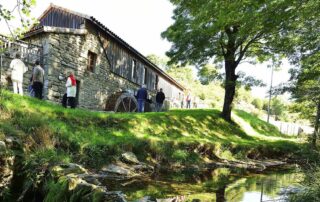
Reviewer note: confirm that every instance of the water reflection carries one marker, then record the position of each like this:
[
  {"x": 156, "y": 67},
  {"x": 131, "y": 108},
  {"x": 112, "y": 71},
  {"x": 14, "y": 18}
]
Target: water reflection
[{"x": 220, "y": 185}]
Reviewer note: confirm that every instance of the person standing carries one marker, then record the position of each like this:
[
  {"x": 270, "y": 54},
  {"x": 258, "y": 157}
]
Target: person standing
[
  {"x": 160, "y": 97},
  {"x": 18, "y": 69},
  {"x": 37, "y": 80},
  {"x": 71, "y": 90},
  {"x": 182, "y": 101},
  {"x": 142, "y": 96},
  {"x": 188, "y": 100}
]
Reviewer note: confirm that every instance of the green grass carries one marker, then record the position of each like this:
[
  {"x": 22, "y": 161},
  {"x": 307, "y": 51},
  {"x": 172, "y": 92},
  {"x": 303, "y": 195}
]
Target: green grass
[
  {"x": 259, "y": 125},
  {"x": 95, "y": 138}
]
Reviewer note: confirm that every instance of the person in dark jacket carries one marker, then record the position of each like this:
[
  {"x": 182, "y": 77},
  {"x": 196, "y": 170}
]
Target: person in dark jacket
[
  {"x": 160, "y": 97},
  {"x": 142, "y": 96},
  {"x": 37, "y": 80}
]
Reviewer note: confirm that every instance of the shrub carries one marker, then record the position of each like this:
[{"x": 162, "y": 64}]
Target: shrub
[{"x": 258, "y": 103}]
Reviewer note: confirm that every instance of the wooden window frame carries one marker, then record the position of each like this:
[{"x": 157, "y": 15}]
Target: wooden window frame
[
  {"x": 92, "y": 60},
  {"x": 134, "y": 70},
  {"x": 156, "y": 83},
  {"x": 145, "y": 79}
]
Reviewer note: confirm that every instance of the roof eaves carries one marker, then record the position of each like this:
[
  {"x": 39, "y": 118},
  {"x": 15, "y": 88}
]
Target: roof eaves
[{"x": 121, "y": 41}]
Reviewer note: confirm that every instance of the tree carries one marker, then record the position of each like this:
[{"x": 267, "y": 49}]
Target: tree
[
  {"x": 305, "y": 88},
  {"x": 161, "y": 62},
  {"x": 22, "y": 11},
  {"x": 230, "y": 31},
  {"x": 277, "y": 107}
]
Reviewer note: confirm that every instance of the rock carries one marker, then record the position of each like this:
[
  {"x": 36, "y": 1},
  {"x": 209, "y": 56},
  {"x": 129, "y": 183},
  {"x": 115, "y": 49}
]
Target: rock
[
  {"x": 8, "y": 140},
  {"x": 147, "y": 199},
  {"x": 77, "y": 189},
  {"x": 3, "y": 147},
  {"x": 114, "y": 196},
  {"x": 174, "y": 199},
  {"x": 130, "y": 158},
  {"x": 65, "y": 169},
  {"x": 92, "y": 179},
  {"x": 115, "y": 169},
  {"x": 143, "y": 168}
]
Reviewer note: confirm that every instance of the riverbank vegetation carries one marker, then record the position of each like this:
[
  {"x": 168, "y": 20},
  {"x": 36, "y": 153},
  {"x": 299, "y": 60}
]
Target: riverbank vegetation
[
  {"x": 175, "y": 136},
  {"x": 51, "y": 135}
]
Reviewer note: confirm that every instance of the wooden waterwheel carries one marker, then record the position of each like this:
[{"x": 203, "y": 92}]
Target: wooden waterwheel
[{"x": 122, "y": 102}]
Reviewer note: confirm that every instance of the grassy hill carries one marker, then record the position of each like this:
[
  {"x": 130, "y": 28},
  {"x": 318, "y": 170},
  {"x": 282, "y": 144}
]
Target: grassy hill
[{"x": 51, "y": 133}]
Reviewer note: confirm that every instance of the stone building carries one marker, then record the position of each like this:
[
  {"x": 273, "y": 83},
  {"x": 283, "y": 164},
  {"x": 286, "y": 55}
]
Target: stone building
[{"x": 103, "y": 63}]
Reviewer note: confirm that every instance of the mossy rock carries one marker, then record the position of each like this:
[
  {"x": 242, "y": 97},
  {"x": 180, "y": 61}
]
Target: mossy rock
[{"x": 65, "y": 169}]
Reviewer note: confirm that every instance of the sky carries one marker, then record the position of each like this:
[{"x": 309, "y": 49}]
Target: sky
[{"x": 140, "y": 23}]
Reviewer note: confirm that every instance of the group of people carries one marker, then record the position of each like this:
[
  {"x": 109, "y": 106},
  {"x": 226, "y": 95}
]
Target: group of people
[
  {"x": 186, "y": 102},
  {"x": 142, "y": 97},
  {"x": 18, "y": 69}
]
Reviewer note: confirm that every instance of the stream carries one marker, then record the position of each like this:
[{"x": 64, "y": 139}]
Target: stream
[{"x": 220, "y": 185}]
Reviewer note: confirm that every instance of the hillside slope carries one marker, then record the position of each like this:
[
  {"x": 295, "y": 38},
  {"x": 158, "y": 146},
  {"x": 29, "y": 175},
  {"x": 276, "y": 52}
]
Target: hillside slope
[
  {"x": 59, "y": 154},
  {"x": 174, "y": 136}
]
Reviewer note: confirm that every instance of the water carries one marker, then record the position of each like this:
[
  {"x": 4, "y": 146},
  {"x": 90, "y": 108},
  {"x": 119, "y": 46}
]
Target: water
[{"x": 220, "y": 184}]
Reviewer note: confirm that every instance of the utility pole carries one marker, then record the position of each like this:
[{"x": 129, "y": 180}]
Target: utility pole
[{"x": 270, "y": 93}]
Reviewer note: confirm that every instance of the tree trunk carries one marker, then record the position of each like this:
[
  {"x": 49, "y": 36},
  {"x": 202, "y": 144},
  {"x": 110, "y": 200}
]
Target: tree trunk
[
  {"x": 220, "y": 194},
  {"x": 316, "y": 127},
  {"x": 230, "y": 89},
  {"x": 230, "y": 65}
]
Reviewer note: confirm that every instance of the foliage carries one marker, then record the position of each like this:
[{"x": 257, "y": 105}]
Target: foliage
[
  {"x": 206, "y": 29},
  {"x": 207, "y": 74},
  {"x": 311, "y": 192},
  {"x": 22, "y": 11},
  {"x": 242, "y": 94},
  {"x": 258, "y": 103},
  {"x": 304, "y": 86},
  {"x": 277, "y": 107},
  {"x": 161, "y": 62}
]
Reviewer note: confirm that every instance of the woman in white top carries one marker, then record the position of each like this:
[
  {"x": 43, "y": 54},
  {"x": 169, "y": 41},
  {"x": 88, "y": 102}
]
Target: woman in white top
[{"x": 18, "y": 69}]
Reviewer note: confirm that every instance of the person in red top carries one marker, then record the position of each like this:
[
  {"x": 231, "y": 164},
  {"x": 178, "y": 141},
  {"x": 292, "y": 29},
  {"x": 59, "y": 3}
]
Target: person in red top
[{"x": 71, "y": 91}]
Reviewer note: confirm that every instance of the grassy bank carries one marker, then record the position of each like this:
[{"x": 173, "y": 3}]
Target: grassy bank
[{"x": 94, "y": 138}]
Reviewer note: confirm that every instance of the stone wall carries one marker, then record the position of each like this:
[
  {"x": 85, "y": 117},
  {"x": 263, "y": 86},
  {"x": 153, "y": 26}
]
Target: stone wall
[
  {"x": 70, "y": 52},
  {"x": 29, "y": 54},
  {"x": 5, "y": 80}
]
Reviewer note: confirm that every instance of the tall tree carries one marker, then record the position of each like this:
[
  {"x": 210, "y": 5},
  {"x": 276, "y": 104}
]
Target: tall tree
[
  {"x": 305, "y": 89},
  {"x": 305, "y": 77},
  {"x": 230, "y": 31}
]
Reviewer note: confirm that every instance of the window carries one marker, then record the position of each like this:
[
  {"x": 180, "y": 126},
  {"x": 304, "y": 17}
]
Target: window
[
  {"x": 92, "y": 59},
  {"x": 134, "y": 70},
  {"x": 145, "y": 75},
  {"x": 156, "y": 83}
]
